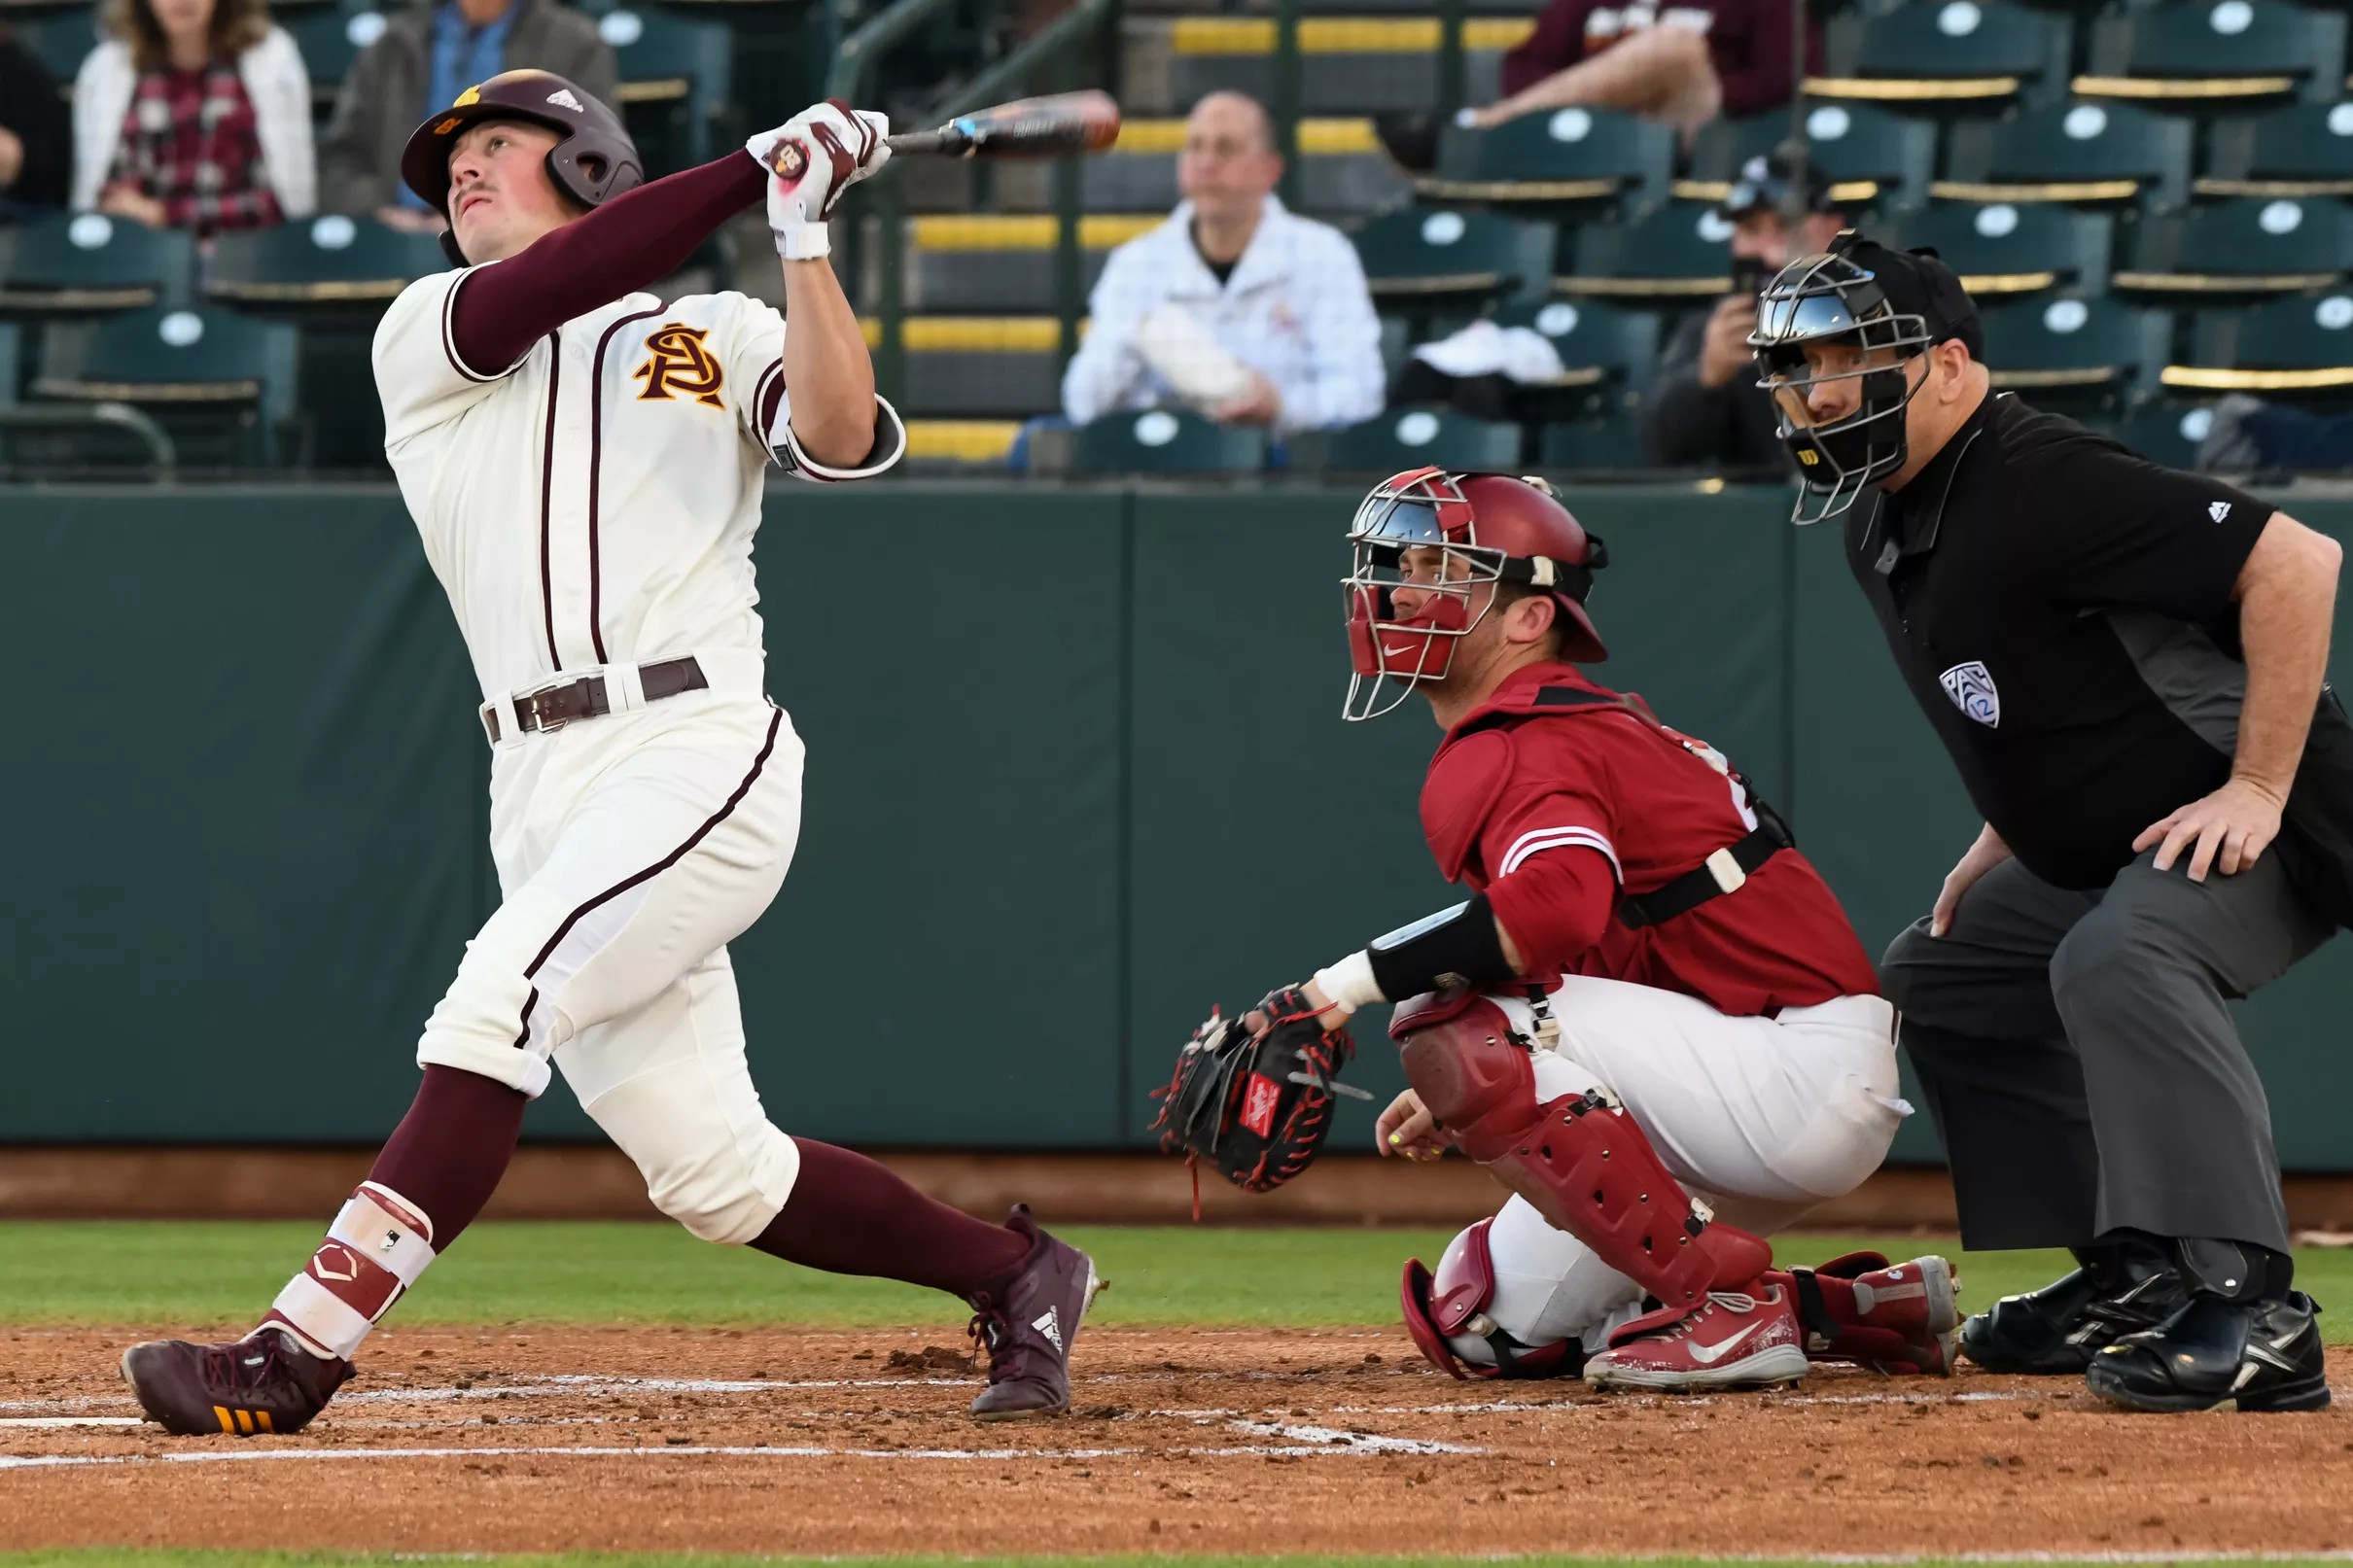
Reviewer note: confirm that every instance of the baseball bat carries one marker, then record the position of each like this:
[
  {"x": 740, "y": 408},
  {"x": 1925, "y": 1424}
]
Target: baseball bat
[{"x": 1052, "y": 126}]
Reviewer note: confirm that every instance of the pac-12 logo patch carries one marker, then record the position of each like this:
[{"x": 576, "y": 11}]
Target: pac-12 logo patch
[{"x": 1973, "y": 692}]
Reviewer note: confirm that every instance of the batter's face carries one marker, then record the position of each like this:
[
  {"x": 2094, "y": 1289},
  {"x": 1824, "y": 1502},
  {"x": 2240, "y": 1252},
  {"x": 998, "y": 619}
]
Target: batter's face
[{"x": 500, "y": 196}]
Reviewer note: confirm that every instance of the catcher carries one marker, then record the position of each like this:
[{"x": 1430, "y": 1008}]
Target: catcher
[{"x": 1651, "y": 1020}]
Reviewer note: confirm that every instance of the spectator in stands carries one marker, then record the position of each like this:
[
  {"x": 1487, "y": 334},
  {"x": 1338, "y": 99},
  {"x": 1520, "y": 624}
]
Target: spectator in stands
[
  {"x": 194, "y": 114},
  {"x": 1706, "y": 406},
  {"x": 427, "y": 54},
  {"x": 1683, "y": 63},
  {"x": 1234, "y": 305},
  {"x": 36, "y": 133}
]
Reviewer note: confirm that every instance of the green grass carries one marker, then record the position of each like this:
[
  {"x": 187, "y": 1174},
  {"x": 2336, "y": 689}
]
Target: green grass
[
  {"x": 146, "y": 1557},
  {"x": 140, "y": 1272}
]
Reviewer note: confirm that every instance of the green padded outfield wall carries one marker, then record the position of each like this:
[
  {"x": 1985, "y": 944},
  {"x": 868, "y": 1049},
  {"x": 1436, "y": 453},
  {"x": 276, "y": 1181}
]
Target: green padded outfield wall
[{"x": 1076, "y": 772}]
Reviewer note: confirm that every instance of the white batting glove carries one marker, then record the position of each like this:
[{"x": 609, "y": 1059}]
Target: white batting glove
[{"x": 811, "y": 160}]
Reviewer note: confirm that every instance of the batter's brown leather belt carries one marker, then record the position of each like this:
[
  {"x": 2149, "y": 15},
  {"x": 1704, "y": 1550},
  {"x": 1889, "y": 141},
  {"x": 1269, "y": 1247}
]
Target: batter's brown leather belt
[{"x": 551, "y": 707}]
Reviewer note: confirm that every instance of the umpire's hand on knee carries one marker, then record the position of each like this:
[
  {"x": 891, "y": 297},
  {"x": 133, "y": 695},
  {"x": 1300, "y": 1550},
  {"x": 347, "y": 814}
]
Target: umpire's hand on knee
[
  {"x": 2230, "y": 829},
  {"x": 1408, "y": 1129},
  {"x": 1981, "y": 856}
]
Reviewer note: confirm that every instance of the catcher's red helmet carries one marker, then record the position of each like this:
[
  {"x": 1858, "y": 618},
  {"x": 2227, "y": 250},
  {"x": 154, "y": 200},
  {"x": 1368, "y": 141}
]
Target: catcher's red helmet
[
  {"x": 594, "y": 162},
  {"x": 1489, "y": 527}
]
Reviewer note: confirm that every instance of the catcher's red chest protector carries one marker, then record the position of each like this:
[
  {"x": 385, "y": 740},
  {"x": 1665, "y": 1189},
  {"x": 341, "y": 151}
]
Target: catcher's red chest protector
[{"x": 1552, "y": 759}]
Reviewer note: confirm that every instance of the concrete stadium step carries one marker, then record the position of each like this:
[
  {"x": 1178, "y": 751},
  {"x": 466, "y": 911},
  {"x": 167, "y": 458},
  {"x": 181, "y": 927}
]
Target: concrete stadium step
[{"x": 1348, "y": 64}]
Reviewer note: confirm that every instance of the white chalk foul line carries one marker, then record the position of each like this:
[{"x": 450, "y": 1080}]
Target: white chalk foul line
[{"x": 69, "y": 1420}]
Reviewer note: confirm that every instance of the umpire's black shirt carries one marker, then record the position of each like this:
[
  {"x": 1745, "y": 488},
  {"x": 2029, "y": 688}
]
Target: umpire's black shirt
[{"x": 2002, "y": 574}]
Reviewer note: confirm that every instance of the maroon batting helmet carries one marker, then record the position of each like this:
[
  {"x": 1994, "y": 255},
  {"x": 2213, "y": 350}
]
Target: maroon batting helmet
[
  {"x": 594, "y": 162},
  {"x": 1489, "y": 528}
]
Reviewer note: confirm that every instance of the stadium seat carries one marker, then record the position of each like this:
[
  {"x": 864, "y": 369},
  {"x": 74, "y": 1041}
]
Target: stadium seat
[
  {"x": 1601, "y": 345},
  {"x": 2074, "y": 351},
  {"x": 1569, "y": 156},
  {"x": 1613, "y": 442},
  {"x": 1677, "y": 251},
  {"x": 675, "y": 83},
  {"x": 979, "y": 367},
  {"x": 330, "y": 38},
  {"x": 1407, "y": 438},
  {"x": 981, "y": 261},
  {"x": 1347, "y": 65},
  {"x": 2001, "y": 247},
  {"x": 2203, "y": 52},
  {"x": 2074, "y": 153},
  {"x": 326, "y": 262},
  {"x": 86, "y": 263},
  {"x": 1417, "y": 258},
  {"x": 2244, "y": 245},
  {"x": 1162, "y": 441},
  {"x": 960, "y": 443},
  {"x": 1946, "y": 53},
  {"x": 61, "y": 41},
  {"x": 2302, "y": 149},
  {"x": 2280, "y": 348},
  {"x": 202, "y": 373},
  {"x": 2166, "y": 431},
  {"x": 12, "y": 371},
  {"x": 1341, "y": 169},
  {"x": 1871, "y": 155}
]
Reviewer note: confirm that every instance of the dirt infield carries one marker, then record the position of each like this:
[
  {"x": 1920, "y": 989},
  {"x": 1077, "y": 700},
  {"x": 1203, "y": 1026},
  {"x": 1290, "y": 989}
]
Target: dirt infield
[{"x": 852, "y": 1441}]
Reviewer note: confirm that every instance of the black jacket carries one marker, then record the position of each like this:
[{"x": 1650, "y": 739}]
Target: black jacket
[
  {"x": 36, "y": 113},
  {"x": 1687, "y": 425}
]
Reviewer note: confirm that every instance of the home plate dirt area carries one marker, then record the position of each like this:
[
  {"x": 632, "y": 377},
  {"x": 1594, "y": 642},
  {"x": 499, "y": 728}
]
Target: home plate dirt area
[{"x": 843, "y": 1441}]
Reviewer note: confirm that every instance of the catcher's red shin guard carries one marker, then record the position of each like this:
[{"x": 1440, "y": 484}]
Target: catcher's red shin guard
[
  {"x": 1901, "y": 1318},
  {"x": 1581, "y": 1161}
]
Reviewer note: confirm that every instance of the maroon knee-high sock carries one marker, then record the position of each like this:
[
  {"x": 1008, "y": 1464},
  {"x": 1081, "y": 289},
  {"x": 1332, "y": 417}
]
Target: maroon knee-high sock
[
  {"x": 849, "y": 1215},
  {"x": 448, "y": 1153}
]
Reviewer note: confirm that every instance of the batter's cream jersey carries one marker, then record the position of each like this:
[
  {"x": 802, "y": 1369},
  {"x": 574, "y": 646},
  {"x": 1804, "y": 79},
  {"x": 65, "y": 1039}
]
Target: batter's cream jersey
[{"x": 594, "y": 502}]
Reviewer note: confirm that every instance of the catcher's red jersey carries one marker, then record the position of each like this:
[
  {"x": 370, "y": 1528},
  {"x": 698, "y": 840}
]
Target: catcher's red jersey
[{"x": 1554, "y": 813}]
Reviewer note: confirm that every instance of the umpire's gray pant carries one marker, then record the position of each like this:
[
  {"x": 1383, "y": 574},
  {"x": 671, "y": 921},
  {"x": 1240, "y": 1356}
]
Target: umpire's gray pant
[{"x": 2078, "y": 1054}]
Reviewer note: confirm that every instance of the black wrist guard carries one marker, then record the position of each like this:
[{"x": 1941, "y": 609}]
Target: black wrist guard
[{"x": 1454, "y": 949}]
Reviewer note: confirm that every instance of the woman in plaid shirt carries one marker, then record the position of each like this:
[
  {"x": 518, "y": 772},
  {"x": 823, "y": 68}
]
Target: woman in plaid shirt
[{"x": 195, "y": 114}]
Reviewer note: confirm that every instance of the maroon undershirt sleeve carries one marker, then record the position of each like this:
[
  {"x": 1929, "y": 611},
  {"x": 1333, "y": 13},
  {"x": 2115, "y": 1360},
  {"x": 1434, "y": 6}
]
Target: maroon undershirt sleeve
[{"x": 635, "y": 239}]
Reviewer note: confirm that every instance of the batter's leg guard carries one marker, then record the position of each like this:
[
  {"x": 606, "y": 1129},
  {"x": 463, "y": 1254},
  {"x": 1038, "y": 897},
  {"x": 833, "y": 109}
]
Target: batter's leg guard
[
  {"x": 1446, "y": 1310},
  {"x": 1901, "y": 1318},
  {"x": 378, "y": 1245},
  {"x": 1580, "y": 1160}
]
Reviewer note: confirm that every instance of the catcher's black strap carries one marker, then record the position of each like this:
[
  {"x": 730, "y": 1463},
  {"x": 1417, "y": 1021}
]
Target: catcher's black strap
[{"x": 1695, "y": 887}]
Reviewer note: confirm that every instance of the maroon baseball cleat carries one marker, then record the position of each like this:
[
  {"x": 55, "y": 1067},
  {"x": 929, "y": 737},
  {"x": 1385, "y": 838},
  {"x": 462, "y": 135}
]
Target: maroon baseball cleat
[
  {"x": 1029, "y": 1325},
  {"x": 1738, "y": 1339},
  {"x": 264, "y": 1382}
]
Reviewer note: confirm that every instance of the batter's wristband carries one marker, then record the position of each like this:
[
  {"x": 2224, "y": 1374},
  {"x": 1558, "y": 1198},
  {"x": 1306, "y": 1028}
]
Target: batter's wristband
[
  {"x": 1457, "y": 949},
  {"x": 804, "y": 242}
]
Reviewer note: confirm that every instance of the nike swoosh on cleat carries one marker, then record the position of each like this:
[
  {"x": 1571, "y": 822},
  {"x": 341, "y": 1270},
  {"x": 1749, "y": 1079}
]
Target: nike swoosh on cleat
[{"x": 1707, "y": 1355}]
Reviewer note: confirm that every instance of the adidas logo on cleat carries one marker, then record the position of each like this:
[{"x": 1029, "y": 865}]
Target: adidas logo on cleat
[{"x": 1049, "y": 1324}]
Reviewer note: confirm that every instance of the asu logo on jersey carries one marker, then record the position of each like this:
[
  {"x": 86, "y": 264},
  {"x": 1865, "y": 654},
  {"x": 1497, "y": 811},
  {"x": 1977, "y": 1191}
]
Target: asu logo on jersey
[{"x": 677, "y": 364}]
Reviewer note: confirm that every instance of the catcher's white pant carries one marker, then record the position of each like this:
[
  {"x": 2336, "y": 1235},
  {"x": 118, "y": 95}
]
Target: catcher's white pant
[
  {"x": 630, "y": 849},
  {"x": 1760, "y": 1118}
]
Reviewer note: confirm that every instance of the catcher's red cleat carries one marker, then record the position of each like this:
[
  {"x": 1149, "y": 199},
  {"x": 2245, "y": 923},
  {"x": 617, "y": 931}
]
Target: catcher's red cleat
[
  {"x": 1900, "y": 1318},
  {"x": 249, "y": 1387},
  {"x": 1028, "y": 1326},
  {"x": 1736, "y": 1339}
]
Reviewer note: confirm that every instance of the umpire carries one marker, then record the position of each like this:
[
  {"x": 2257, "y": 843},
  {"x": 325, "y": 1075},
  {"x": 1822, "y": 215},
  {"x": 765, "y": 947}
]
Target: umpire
[{"x": 2126, "y": 664}]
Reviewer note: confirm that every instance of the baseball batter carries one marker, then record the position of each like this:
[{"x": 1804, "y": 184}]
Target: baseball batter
[
  {"x": 586, "y": 462},
  {"x": 1651, "y": 1017}
]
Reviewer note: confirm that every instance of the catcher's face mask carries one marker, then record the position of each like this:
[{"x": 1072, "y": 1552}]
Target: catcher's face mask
[
  {"x": 1418, "y": 585},
  {"x": 1835, "y": 358}
]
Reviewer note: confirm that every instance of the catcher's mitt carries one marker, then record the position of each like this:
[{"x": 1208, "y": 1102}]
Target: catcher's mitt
[{"x": 1257, "y": 1109}]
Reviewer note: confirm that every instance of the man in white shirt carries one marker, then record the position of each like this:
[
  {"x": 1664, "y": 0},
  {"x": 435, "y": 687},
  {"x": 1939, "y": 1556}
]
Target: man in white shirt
[{"x": 1235, "y": 306}]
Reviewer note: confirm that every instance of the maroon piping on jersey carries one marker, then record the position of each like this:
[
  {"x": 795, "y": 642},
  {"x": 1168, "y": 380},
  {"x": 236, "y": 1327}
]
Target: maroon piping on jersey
[
  {"x": 555, "y": 377},
  {"x": 776, "y": 718},
  {"x": 596, "y": 455}
]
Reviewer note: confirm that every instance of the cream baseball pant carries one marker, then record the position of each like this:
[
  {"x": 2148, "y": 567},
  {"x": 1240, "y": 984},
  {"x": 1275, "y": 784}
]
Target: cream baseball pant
[
  {"x": 1760, "y": 1118},
  {"x": 631, "y": 849}
]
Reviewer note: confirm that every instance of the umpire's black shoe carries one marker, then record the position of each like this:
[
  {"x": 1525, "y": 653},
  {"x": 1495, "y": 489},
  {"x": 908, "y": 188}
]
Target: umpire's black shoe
[
  {"x": 2060, "y": 1327},
  {"x": 2261, "y": 1355}
]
